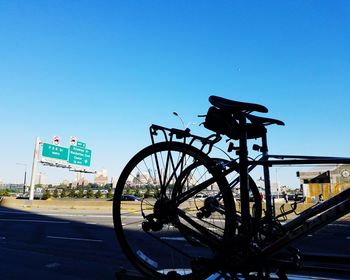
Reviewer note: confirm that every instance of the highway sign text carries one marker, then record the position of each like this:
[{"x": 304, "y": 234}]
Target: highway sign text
[{"x": 54, "y": 151}]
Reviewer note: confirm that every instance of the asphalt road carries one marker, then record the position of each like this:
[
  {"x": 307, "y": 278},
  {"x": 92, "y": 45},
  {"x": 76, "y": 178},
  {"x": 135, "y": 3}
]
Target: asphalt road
[
  {"x": 58, "y": 245},
  {"x": 333, "y": 239},
  {"x": 73, "y": 244}
]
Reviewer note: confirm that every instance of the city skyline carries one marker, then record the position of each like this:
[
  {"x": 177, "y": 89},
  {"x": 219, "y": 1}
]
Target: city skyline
[
  {"x": 104, "y": 72},
  {"x": 101, "y": 177}
]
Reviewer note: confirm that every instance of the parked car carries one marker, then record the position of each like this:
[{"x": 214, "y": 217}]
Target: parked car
[
  {"x": 129, "y": 197},
  {"x": 200, "y": 195},
  {"x": 37, "y": 196},
  {"x": 22, "y": 196},
  {"x": 298, "y": 197}
]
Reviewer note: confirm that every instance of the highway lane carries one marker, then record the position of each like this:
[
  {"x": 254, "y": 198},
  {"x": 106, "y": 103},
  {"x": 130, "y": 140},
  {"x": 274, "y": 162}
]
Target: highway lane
[
  {"x": 333, "y": 239},
  {"x": 56, "y": 244},
  {"x": 76, "y": 244}
]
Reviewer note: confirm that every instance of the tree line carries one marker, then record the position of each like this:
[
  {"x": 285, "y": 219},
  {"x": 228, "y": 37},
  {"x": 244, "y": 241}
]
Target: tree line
[{"x": 89, "y": 191}]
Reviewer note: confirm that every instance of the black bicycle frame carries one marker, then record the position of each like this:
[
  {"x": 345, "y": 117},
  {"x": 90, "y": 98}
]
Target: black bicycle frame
[
  {"x": 307, "y": 222},
  {"x": 310, "y": 220}
]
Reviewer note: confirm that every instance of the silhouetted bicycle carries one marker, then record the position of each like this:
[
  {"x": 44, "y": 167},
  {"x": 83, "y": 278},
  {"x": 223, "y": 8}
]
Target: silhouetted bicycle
[{"x": 187, "y": 224}]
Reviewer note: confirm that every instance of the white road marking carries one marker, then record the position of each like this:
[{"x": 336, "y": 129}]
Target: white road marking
[
  {"x": 338, "y": 225},
  {"x": 52, "y": 265},
  {"x": 173, "y": 238},
  {"x": 74, "y": 239},
  {"x": 77, "y": 215}
]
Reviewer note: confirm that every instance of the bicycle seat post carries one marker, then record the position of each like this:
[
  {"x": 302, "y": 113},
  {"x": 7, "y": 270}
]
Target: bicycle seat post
[
  {"x": 267, "y": 184},
  {"x": 243, "y": 172}
]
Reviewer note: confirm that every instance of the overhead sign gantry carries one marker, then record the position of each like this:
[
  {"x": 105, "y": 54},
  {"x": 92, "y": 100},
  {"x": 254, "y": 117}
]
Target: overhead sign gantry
[{"x": 77, "y": 157}]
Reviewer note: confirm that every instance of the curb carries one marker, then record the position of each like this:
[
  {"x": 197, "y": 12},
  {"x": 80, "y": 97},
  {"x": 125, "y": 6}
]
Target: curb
[{"x": 25, "y": 204}]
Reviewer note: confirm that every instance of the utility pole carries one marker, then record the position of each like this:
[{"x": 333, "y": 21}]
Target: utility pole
[{"x": 25, "y": 176}]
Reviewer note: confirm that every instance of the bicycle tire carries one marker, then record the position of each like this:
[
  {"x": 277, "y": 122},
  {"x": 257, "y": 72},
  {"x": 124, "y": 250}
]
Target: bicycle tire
[{"x": 170, "y": 249}]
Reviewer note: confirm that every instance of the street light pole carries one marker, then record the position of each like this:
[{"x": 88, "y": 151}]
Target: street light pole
[
  {"x": 25, "y": 182},
  {"x": 25, "y": 176},
  {"x": 277, "y": 186}
]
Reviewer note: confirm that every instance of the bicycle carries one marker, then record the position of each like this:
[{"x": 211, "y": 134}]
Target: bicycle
[
  {"x": 230, "y": 241},
  {"x": 167, "y": 222}
]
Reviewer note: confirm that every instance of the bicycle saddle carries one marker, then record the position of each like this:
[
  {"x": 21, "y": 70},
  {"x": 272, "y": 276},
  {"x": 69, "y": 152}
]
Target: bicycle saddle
[
  {"x": 234, "y": 106},
  {"x": 222, "y": 118},
  {"x": 264, "y": 121}
]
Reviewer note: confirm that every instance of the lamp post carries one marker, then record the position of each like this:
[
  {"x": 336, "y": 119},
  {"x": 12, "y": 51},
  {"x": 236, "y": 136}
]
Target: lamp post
[
  {"x": 25, "y": 176},
  {"x": 277, "y": 185}
]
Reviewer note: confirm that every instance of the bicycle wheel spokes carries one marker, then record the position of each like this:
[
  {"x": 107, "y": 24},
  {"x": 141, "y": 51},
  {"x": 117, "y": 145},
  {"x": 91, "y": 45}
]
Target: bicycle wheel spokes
[
  {"x": 193, "y": 192},
  {"x": 232, "y": 176},
  {"x": 159, "y": 235}
]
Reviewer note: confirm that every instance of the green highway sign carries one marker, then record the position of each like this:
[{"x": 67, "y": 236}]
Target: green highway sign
[
  {"x": 79, "y": 156},
  {"x": 81, "y": 144},
  {"x": 53, "y": 151}
]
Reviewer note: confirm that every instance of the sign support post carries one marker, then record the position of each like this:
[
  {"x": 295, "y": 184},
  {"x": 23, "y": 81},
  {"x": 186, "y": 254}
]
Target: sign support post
[{"x": 35, "y": 159}]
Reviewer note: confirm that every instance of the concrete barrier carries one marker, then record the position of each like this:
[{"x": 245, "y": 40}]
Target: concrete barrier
[
  {"x": 101, "y": 204},
  {"x": 81, "y": 204}
]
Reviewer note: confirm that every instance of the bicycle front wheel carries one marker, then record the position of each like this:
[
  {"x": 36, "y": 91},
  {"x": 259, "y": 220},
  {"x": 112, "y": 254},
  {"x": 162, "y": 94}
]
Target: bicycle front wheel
[{"x": 161, "y": 233}]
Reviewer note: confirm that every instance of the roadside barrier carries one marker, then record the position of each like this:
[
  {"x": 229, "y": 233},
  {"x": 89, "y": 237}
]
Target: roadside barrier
[{"x": 87, "y": 204}]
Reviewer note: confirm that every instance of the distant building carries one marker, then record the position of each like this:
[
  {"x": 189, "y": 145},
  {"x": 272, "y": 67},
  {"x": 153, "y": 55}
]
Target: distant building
[
  {"x": 142, "y": 178},
  {"x": 79, "y": 180},
  {"x": 12, "y": 187},
  {"x": 114, "y": 182},
  {"x": 83, "y": 182},
  {"x": 42, "y": 179},
  {"x": 326, "y": 180},
  {"x": 146, "y": 178},
  {"x": 65, "y": 182},
  {"x": 274, "y": 186},
  {"x": 101, "y": 178}
]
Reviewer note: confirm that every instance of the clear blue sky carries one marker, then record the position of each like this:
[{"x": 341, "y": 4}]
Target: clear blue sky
[{"x": 105, "y": 70}]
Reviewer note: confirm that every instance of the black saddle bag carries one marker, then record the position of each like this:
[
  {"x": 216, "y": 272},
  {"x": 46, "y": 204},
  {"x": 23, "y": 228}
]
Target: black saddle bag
[{"x": 225, "y": 123}]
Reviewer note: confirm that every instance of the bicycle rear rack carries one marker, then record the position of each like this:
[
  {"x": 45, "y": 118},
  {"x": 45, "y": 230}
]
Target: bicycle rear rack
[{"x": 184, "y": 136}]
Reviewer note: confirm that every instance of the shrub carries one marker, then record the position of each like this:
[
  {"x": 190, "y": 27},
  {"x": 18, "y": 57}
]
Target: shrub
[
  {"x": 46, "y": 194},
  {"x": 110, "y": 193},
  {"x": 71, "y": 193},
  {"x": 55, "y": 193},
  {"x": 89, "y": 193},
  {"x": 98, "y": 194},
  {"x": 64, "y": 193}
]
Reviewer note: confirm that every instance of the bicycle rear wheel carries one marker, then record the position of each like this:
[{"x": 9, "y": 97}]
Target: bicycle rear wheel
[{"x": 161, "y": 234}]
